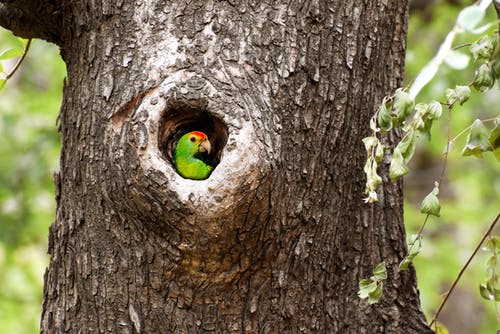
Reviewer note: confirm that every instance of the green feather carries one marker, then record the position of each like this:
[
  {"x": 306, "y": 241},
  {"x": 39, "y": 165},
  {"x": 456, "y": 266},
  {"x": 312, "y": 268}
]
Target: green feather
[{"x": 188, "y": 157}]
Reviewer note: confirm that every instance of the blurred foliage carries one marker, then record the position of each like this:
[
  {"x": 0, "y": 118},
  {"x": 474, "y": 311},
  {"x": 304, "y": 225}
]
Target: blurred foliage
[
  {"x": 29, "y": 154},
  {"x": 470, "y": 194}
]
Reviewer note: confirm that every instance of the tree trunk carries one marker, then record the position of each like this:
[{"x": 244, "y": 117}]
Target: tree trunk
[{"x": 278, "y": 237}]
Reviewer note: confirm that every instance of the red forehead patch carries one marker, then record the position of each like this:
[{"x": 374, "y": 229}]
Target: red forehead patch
[{"x": 199, "y": 134}]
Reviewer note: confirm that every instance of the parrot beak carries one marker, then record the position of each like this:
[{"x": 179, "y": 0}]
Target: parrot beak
[{"x": 205, "y": 146}]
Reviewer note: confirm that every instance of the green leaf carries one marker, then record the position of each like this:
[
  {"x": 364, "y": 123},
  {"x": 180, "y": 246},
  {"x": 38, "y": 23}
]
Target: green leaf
[
  {"x": 384, "y": 117},
  {"x": 403, "y": 105},
  {"x": 451, "y": 96},
  {"x": 492, "y": 245},
  {"x": 11, "y": 53},
  {"x": 373, "y": 180},
  {"x": 414, "y": 249},
  {"x": 457, "y": 60},
  {"x": 463, "y": 93},
  {"x": 373, "y": 287},
  {"x": 366, "y": 286},
  {"x": 477, "y": 140},
  {"x": 19, "y": 42},
  {"x": 375, "y": 295},
  {"x": 372, "y": 196},
  {"x": 2, "y": 84},
  {"x": 417, "y": 121},
  {"x": 405, "y": 263},
  {"x": 431, "y": 112},
  {"x": 494, "y": 140},
  {"x": 441, "y": 329},
  {"x": 379, "y": 152},
  {"x": 488, "y": 291},
  {"x": 407, "y": 145},
  {"x": 482, "y": 48},
  {"x": 492, "y": 265},
  {"x": 380, "y": 271},
  {"x": 485, "y": 293},
  {"x": 22, "y": 41},
  {"x": 370, "y": 142},
  {"x": 470, "y": 17},
  {"x": 483, "y": 78},
  {"x": 367, "y": 167},
  {"x": 460, "y": 94},
  {"x": 426, "y": 130},
  {"x": 430, "y": 204},
  {"x": 398, "y": 167},
  {"x": 434, "y": 110}
]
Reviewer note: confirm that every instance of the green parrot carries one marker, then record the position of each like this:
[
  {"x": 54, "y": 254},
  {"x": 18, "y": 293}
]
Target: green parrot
[{"x": 190, "y": 156}]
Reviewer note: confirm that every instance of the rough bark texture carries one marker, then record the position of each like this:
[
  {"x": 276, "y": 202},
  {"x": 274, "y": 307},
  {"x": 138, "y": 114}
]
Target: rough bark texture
[{"x": 277, "y": 239}]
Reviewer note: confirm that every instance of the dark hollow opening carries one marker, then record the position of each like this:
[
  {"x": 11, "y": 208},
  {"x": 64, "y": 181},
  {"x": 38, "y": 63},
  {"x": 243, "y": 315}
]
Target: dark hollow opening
[{"x": 183, "y": 116}]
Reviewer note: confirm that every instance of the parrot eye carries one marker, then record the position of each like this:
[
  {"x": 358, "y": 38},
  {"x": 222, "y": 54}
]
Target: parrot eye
[{"x": 192, "y": 139}]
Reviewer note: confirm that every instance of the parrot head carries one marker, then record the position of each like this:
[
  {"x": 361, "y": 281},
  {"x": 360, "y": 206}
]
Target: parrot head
[{"x": 191, "y": 156}]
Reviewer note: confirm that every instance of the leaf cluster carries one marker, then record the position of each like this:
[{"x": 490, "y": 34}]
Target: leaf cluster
[
  {"x": 490, "y": 288},
  {"x": 372, "y": 287}
]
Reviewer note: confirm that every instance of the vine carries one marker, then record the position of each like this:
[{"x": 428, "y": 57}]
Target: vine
[{"x": 399, "y": 112}]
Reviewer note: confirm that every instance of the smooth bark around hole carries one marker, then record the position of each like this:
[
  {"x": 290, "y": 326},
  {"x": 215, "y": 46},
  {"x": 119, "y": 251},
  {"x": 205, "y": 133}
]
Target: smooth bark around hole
[{"x": 278, "y": 237}]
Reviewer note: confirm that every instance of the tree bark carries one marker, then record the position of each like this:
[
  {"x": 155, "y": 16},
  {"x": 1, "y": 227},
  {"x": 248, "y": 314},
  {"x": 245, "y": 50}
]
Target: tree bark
[{"x": 278, "y": 237}]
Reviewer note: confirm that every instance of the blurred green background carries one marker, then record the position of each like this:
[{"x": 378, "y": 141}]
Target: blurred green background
[{"x": 29, "y": 154}]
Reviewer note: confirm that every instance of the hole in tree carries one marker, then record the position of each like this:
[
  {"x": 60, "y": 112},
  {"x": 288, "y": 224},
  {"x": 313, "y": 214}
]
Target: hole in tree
[{"x": 183, "y": 116}]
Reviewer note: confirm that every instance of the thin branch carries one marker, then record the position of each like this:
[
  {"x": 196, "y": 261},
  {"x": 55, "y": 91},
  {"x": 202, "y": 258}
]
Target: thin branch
[
  {"x": 446, "y": 153},
  {"x": 447, "y": 294},
  {"x": 468, "y": 128},
  {"x": 496, "y": 3},
  {"x": 459, "y": 46},
  {"x": 419, "y": 234},
  {"x": 20, "y": 60},
  {"x": 443, "y": 170}
]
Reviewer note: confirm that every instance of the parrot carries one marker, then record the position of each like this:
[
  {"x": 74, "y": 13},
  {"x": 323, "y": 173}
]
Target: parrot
[{"x": 190, "y": 156}]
